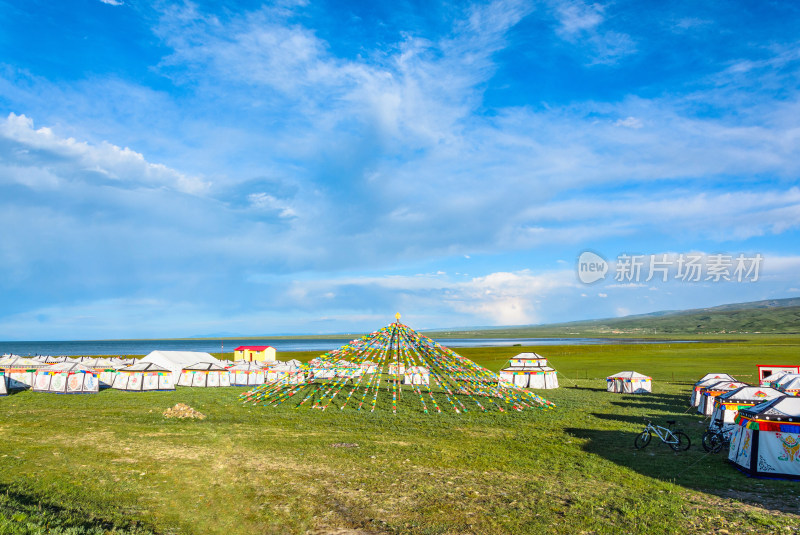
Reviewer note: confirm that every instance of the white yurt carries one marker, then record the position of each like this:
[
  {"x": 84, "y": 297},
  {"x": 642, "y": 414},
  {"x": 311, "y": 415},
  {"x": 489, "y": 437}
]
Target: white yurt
[
  {"x": 791, "y": 387},
  {"x": 397, "y": 368},
  {"x": 176, "y": 361},
  {"x": 144, "y": 377},
  {"x": 368, "y": 367},
  {"x": 709, "y": 393},
  {"x": 318, "y": 369},
  {"x": 629, "y": 383},
  {"x": 20, "y": 371},
  {"x": 204, "y": 375},
  {"x": 529, "y": 370},
  {"x": 248, "y": 373},
  {"x": 707, "y": 379},
  {"x": 288, "y": 372},
  {"x": 106, "y": 369},
  {"x": 3, "y": 383},
  {"x": 766, "y": 439},
  {"x": 771, "y": 378},
  {"x": 347, "y": 369},
  {"x": 417, "y": 375},
  {"x": 783, "y": 380},
  {"x": 66, "y": 378},
  {"x": 728, "y": 404}
]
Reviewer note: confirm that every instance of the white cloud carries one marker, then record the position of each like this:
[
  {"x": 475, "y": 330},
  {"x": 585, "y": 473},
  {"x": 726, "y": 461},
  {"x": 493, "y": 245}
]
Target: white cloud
[
  {"x": 113, "y": 2},
  {"x": 53, "y": 158}
]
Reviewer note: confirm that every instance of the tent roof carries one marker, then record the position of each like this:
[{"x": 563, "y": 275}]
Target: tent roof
[
  {"x": 246, "y": 367},
  {"x": 175, "y": 361},
  {"x": 717, "y": 376},
  {"x": 628, "y": 375},
  {"x": 528, "y": 369},
  {"x": 144, "y": 367},
  {"x": 786, "y": 378},
  {"x": 794, "y": 384},
  {"x": 724, "y": 385},
  {"x": 528, "y": 356},
  {"x": 785, "y": 408},
  {"x": 773, "y": 377},
  {"x": 205, "y": 366},
  {"x": 750, "y": 393},
  {"x": 73, "y": 367},
  {"x": 21, "y": 362}
]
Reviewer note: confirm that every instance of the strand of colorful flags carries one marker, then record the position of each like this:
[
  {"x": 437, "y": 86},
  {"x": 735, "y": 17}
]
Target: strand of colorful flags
[{"x": 402, "y": 360}]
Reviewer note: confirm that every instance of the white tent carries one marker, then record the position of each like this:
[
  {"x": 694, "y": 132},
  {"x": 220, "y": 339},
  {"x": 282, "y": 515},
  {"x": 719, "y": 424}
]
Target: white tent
[
  {"x": 629, "y": 383},
  {"x": 397, "y": 368},
  {"x": 707, "y": 379},
  {"x": 417, "y": 375},
  {"x": 204, "y": 374},
  {"x": 771, "y": 378},
  {"x": 288, "y": 373},
  {"x": 766, "y": 439},
  {"x": 709, "y": 393},
  {"x": 144, "y": 377},
  {"x": 66, "y": 378},
  {"x": 529, "y": 370},
  {"x": 3, "y": 383},
  {"x": 106, "y": 369},
  {"x": 791, "y": 387},
  {"x": 248, "y": 373},
  {"x": 20, "y": 371},
  {"x": 527, "y": 360},
  {"x": 783, "y": 380},
  {"x": 176, "y": 361},
  {"x": 728, "y": 404},
  {"x": 369, "y": 367}
]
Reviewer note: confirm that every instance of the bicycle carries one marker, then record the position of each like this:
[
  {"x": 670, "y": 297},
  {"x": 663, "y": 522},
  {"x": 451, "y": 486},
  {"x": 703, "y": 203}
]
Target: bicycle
[
  {"x": 716, "y": 439},
  {"x": 677, "y": 439}
]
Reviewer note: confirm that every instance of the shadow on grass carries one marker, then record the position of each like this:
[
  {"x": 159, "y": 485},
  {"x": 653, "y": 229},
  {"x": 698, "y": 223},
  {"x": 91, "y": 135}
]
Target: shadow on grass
[
  {"x": 693, "y": 468},
  {"x": 24, "y": 512}
]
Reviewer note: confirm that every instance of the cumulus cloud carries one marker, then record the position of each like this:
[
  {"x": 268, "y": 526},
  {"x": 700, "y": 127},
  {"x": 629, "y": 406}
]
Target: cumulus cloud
[{"x": 54, "y": 158}]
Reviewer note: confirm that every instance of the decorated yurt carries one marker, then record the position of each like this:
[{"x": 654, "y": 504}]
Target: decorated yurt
[
  {"x": 791, "y": 387},
  {"x": 771, "y": 378},
  {"x": 397, "y": 368},
  {"x": 369, "y": 367},
  {"x": 144, "y": 377},
  {"x": 728, "y": 404},
  {"x": 66, "y": 378},
  {"x": 176, "y": 361},
  {"x": 707, "y": 379},
  {"x": 289, "y": 373},
  {"x": 20, "y": 371},
  {"x": 529, "y": 370},
  {"x": 204, "y": 375},
  {"x": 782, "y": 381},
  {"x": 709, "y": 393},
  {"x": 106, "y": 369},
  {"x": 3, "y": 383},
  {"x": 527, "y": 360},
  {"x": 347, "y": 369},
  {"x": 629, "y": 383},
  {"x": 318, "y": 369},
  {"x": 247, "y": 374},
  {"x": 417, "y": 375},
  {"x": 766, "y": 440}
]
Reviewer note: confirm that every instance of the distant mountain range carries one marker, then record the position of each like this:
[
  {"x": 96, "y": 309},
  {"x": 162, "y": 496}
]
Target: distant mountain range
[{"x": 774, "y": 316}]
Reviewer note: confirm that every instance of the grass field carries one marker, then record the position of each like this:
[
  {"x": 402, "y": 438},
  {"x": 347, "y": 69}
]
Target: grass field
[{"x": 112, "y": 463}]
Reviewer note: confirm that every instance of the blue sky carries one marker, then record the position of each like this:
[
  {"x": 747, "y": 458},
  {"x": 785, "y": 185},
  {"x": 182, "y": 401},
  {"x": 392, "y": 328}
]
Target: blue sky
[{"x": 177, "y": 169}]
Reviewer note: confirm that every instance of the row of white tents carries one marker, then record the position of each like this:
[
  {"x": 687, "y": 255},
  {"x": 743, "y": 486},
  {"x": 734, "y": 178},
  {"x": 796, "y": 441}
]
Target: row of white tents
[
  {"x": 763, "y": 421},
  {"x": 157, "y": 371}
]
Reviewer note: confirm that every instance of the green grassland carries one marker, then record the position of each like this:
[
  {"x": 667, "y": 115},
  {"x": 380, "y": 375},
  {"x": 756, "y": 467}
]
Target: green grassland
[{"x": 111, "y": 463}]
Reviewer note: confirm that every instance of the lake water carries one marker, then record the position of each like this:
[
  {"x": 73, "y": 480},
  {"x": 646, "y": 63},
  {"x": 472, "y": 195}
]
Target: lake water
[{"x": 143, "y": 347}]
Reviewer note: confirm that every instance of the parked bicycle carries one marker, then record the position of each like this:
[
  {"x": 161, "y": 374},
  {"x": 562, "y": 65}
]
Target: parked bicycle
[
  {"x": 717, "y": 438},
  {"x": 675, "y": 438}
]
